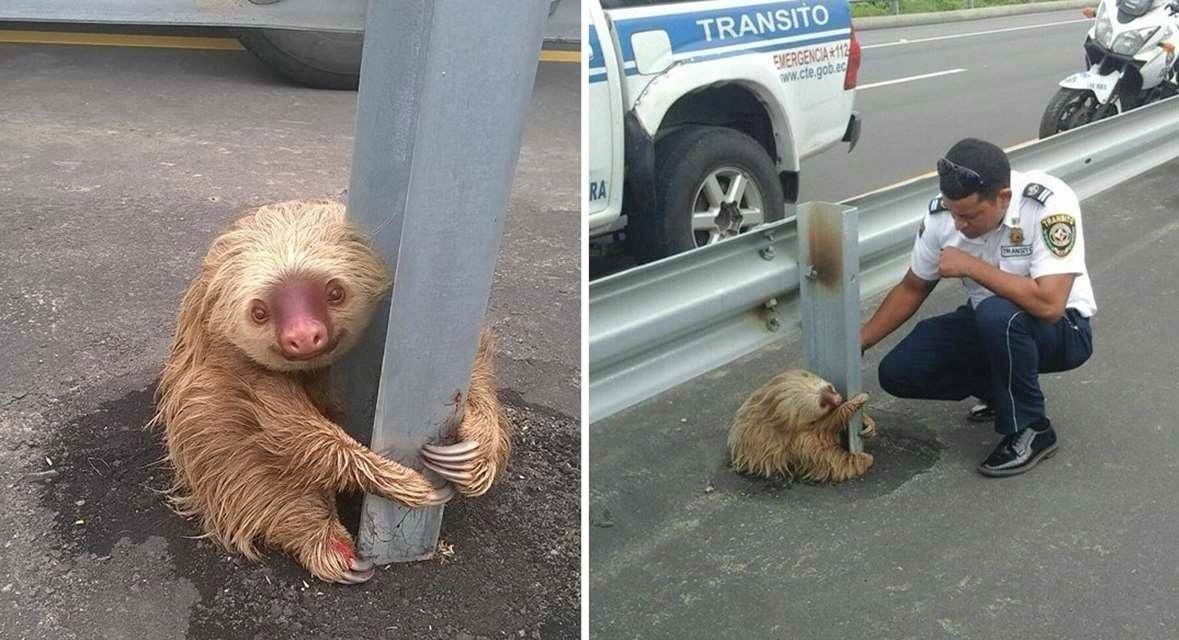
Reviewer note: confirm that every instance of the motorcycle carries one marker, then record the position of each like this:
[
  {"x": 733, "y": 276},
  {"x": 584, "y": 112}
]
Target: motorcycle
[{"x": 1130, "y": 55}]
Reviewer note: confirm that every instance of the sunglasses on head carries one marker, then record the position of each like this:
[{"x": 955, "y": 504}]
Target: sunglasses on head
[{"x": 967, "y": 180}]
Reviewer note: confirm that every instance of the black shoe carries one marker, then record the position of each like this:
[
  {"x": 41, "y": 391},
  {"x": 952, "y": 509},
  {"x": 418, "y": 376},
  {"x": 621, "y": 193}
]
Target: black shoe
[
  {"x": 1018, "y": 452},
  {"x": 982, "y": 412}
]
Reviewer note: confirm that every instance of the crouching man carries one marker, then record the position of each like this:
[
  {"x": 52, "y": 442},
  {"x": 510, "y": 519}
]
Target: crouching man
[{"x": 1016, "y": 241}]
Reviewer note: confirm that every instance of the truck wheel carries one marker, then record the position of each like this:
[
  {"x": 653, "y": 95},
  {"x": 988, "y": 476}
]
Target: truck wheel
[
  {"x": 320, "y": 60},
  {"x": 711, "y": 183}
]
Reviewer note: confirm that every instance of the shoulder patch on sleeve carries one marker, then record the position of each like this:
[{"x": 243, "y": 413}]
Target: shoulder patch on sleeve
[
  {"x": 936, "y": 205},
  {"x": 1037, "y": 192},
  {"x": 1060, "y": 233}
]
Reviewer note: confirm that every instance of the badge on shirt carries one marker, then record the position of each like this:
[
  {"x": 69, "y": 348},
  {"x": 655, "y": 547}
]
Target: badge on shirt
[
  {"x": 1060, "y": 233},
  {"x": 1017, "y": 251},
  {"x": 1016, "y": 235}
]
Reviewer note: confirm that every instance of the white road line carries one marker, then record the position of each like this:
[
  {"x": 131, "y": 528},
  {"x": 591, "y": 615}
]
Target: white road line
[
  {"x": 930, "y": 174},
  {"x": 909, "y": 79},
  {"x": 976, "y": 33}
]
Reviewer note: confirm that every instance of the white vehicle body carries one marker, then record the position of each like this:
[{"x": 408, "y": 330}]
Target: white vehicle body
[
  {"x": 779, "y": 71},
  {"x": 1130, "y": 51},
  {"x": 1140, "y": 38}
]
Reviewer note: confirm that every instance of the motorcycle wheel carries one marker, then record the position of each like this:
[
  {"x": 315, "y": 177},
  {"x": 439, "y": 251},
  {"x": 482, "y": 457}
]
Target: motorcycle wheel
[{"x": 1071, "y": 108}]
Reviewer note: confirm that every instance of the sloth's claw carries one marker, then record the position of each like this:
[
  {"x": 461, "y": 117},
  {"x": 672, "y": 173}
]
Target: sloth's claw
[
  {"x": 460, "y": 452},
  {"x": 357, "y": 577},
  {"x": 454, "y": 474},
  {"x": 457, "y": 467},
  {"x": 439, "y": 495},
  {"x": 358, "y": 571},
  {"x": 867, "y": 426}
]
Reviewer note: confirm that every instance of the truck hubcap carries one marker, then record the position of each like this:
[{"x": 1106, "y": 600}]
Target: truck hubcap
[{"x": 726, "y": 202}]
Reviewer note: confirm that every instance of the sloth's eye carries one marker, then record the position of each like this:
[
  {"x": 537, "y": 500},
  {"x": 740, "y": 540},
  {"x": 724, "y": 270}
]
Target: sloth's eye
[
  {"x": 335, "y": 292},
  {"x": 258, "y": 312}
]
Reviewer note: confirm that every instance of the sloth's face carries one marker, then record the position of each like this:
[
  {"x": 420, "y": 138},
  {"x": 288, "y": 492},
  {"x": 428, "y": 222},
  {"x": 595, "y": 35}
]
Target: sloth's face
[
  {"x": 301, "y": 322},
  {"x": 296, "y": 324},
  {"x": 296, "y": 286},
  {"x": 816, "y": 397},
  {"x": 828, "y": 397},
  {"x": 821, "y": 397}
]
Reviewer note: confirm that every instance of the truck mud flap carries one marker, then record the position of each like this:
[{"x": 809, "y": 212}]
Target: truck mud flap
[{"x": 640, "y": 164}]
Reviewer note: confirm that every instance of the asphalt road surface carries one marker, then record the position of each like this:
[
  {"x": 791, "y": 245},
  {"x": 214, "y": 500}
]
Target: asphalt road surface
[
  {"x": 923, "y": 546},
  {"x": 923, "y": 88},
  {"x": 117, "y": 167}
]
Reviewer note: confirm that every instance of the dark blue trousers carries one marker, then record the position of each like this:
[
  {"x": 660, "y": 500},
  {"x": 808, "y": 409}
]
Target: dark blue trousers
[{"x": 995, "y": 353}]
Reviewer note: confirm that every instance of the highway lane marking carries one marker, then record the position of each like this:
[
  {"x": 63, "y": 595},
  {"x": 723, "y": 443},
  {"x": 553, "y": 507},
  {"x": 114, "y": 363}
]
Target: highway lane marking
[
  {"x": 560, "y": 55},
  {"x": 929, "y": 174},
  {"x": 119, "y": 40},
  {"x": 971, "y": 34},
  {"x": 14, "y": 36},
  {"x": 909, "y": 79}
]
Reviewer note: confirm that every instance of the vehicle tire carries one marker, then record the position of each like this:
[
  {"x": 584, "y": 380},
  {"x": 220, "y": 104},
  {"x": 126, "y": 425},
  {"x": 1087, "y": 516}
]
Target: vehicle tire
[
  {"x": 710, "y": 184},
  {"x": 321, "y": 60},
  {"x": 1070, "y": 108}
]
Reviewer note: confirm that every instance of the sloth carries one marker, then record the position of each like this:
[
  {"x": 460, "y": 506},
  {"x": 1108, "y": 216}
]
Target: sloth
[
  {"x": 791, "y": 426},
  {"x": 250, "y": 428}
]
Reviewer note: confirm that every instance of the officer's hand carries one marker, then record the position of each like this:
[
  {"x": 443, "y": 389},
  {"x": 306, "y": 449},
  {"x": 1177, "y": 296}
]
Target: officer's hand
[{"x": 955, "y": 263}]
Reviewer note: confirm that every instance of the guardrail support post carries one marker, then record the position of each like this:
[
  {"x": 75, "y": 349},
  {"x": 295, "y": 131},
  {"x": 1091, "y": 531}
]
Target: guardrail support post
[
  {"x": 445, "y": 89},
  {"x": 829, "y": 262}
]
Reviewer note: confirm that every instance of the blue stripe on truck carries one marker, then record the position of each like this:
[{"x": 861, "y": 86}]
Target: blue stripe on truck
[
  {"x": 699, "y": 34},
  {"x": 597, "y": 63}
]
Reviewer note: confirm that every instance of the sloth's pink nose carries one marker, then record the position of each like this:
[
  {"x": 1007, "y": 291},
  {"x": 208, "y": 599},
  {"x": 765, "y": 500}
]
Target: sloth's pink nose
[
  {"x": 304, "y": 338},
  {"x": 830, "y": 398}
]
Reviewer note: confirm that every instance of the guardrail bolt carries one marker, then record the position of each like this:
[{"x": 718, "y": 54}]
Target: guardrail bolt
[
  {"x": 811, "y": 274},
  {"x": 771, "y": 307},
  {"x": 767, "y": 253}
]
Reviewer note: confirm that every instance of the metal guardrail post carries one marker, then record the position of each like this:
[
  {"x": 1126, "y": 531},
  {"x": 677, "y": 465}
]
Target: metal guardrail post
[
  {"x": 828, "y": 239},
  {"x": 445, "y": 88}
]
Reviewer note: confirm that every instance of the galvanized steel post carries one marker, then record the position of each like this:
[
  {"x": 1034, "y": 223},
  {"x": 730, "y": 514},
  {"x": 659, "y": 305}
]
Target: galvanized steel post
[
  {"x": 445, "y": 87},
  {"x": 829, "y": 260}
]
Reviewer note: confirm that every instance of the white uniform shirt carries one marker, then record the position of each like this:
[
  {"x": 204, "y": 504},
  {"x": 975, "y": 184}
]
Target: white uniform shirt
[{"x": 1050, "y": 239}]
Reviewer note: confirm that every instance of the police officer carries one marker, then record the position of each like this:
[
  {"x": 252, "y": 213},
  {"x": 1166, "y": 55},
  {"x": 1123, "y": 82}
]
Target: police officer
[{"x": 1016, "y": 241}]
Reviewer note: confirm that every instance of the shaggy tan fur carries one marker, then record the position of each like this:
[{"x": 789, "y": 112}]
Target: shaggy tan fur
[
  {"x": 784, "y": 430},
  {"x": 485, "y": 423},
  {"x": 256, "y": 453}
]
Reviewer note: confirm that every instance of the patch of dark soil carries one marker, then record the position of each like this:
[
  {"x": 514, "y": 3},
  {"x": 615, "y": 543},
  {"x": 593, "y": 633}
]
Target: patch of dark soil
[{"x": 514, "y": 572}]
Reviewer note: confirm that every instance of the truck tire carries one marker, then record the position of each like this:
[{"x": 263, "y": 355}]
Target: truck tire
[
  {"x": 698, "y": 197},
  {"x": 320, "y": 60}
]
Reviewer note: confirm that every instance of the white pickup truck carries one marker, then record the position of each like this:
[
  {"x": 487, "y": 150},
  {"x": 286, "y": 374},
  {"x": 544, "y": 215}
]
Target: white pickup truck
[{"x": 701, "y": 112}]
